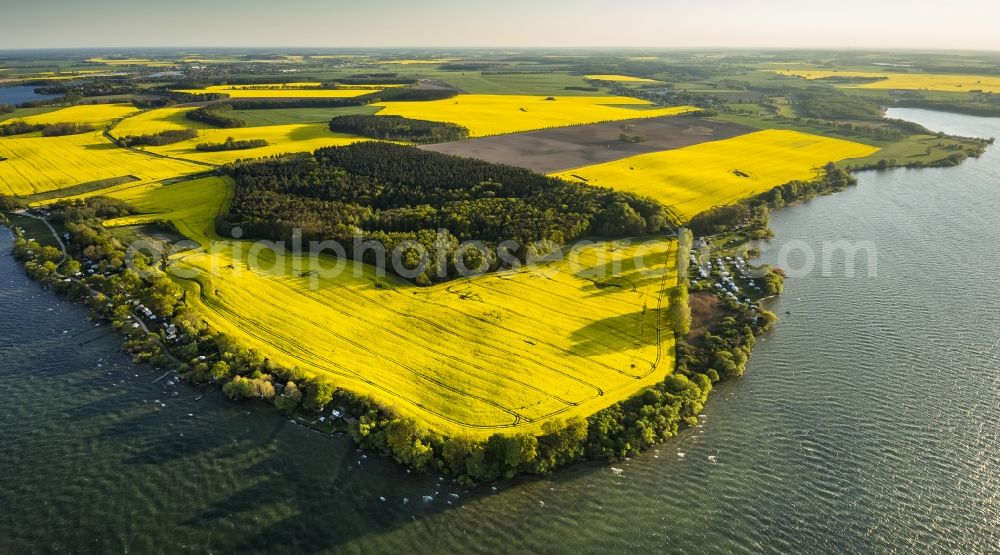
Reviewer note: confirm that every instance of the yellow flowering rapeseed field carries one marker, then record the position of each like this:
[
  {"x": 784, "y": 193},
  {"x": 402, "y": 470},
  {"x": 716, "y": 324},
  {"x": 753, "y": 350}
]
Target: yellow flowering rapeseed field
[
  {"x": 499, "y": 352},
  {"x": 292, "y": 90},
  {"x": 97, "y": 115},
  {"x": 282, "y": 139},
  {"x": 38, "y": 164},
  {"x": 693, "y": 179},
  {"x": 152, "y": 122},
  {"x": 494, "y": 353},
  {"x": 420, "y": 62},
  {"x": 488, "y": 114},
  {"x": 914, "y": 81},
  {"x": 132, "y": 62},
  {"x": 621, "y": 78},
  {"x": 191, "y": 205}
]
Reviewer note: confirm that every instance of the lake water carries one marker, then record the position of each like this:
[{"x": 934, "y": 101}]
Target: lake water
[
  {"x": 868, "y": 421},
  {"x": 21, "y": 93}
]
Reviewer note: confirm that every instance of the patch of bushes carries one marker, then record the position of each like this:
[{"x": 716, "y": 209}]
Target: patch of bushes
[
  {"x": 60, "y": 129},
  {"x": 241, "y": 387},
  {"x": 703, "y": 113},
  {"x": 153, "y": 102},
  {"x": 47, "y": 129},
  {"x": 364, "y": 80},
  {"x": 181, "y": 97},
  {"x": 162, "y": 138},
  {"x": 215, "y": 114},
  {"x": 830, "y": 103},
  {"x": 398, "y": 128},
  {"x": 10, "y": 203},
  {"x": 109, "y": 87},
  {"x": 405, "y": 94},
  {"x": 100, "y": 208},
  {"x": 282, "y": 103},
  {"x": 19, "y": 128},
  {"x": 230, "y": 144}
]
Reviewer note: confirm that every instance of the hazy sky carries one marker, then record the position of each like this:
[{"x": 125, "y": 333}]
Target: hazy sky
[{"x": 968, "y": 24}]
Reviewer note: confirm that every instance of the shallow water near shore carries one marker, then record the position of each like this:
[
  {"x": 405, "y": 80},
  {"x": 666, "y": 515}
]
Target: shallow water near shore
[{"x": 868, "y": 420}]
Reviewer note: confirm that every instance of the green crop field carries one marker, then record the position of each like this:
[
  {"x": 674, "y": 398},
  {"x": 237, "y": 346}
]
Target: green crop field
[{"x": 475, "y": 82}]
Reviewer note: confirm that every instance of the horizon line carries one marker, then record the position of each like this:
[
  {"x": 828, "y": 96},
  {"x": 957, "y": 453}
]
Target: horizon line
[{"x": 534, "y": 47}]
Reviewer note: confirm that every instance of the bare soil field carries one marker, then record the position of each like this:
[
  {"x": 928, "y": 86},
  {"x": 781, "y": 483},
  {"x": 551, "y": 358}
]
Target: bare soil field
[{"x": 564, "y": 148}]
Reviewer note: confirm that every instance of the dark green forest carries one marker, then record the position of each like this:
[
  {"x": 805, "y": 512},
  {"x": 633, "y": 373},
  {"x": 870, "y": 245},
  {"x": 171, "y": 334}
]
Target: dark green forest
[
  {"x": 398, "y": 128},
  {"x": 215, "y": 114},
  {"x": 159, "y": 139},
  {"x": 402, "y": 196}
]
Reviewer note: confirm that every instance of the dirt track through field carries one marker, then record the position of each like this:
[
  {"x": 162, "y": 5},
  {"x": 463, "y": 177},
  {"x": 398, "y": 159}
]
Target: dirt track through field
[{"x": 563, "y": 148}]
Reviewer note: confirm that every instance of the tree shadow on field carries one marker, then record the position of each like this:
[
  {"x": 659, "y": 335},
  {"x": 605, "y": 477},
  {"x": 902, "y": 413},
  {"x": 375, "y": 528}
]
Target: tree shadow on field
[
  {"x": 309, "y": 131},
  {"x": 634, "y": 281},
  {"x": 100, "y": 146},
  {"x": 617, "y": 333}
]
